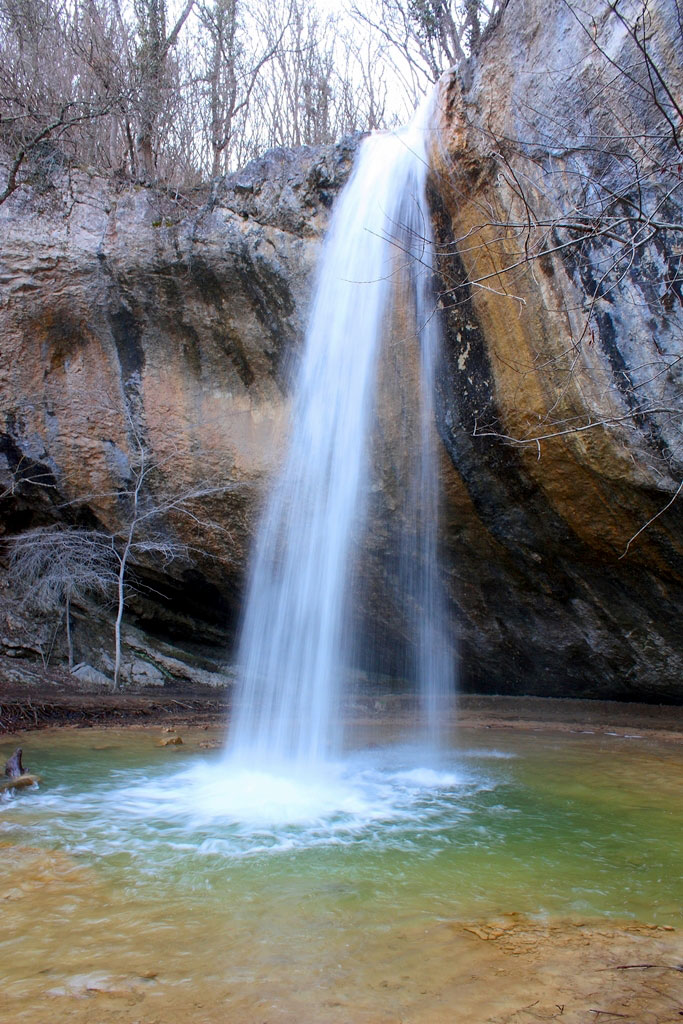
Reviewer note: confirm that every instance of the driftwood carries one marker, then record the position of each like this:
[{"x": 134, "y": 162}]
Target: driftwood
[
  {"x": 14, "y": 768},
  {"x": 17, "y": 776},
  {"x": 20, "y": 782}
]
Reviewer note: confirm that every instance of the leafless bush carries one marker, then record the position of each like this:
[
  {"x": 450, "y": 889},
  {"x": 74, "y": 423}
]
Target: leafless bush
[{"x": 51, "y": 567}]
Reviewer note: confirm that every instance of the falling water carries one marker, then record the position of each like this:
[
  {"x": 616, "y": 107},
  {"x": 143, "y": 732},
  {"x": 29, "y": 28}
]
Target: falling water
[{"x": 290, "y": 655}]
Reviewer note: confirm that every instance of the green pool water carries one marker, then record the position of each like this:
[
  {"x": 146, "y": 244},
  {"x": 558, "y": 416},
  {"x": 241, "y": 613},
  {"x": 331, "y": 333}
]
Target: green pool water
[{"x": 128, "y": 848}]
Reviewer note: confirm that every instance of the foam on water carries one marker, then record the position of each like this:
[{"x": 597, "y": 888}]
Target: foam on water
[
  {"x": 540, "y": 824},
  {"x": 212, "y": 807},
  {"x": 344, "y": 795}
]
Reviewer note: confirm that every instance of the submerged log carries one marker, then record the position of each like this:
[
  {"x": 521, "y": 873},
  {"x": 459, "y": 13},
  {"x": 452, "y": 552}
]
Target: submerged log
[{"x": 19, "y": 782}]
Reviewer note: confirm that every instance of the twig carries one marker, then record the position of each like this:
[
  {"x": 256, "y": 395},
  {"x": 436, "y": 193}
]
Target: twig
[
  {"x": 655, "y": 516},
  {"x": 645, "y": 967}
]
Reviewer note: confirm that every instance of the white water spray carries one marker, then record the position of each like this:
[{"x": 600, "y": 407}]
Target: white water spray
[{"x": 290, "y": 654}]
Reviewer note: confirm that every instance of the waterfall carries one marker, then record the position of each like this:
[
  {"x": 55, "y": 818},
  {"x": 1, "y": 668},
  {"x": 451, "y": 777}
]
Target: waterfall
[{"x": 294, "y": 636}]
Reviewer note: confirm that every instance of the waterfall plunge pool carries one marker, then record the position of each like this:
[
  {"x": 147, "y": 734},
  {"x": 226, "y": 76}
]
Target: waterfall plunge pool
[{"x": 138, "y": 874}]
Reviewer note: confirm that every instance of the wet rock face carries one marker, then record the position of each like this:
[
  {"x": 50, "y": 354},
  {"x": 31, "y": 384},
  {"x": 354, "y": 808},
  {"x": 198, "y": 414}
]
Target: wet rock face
[{"x": 545, "y": 197}]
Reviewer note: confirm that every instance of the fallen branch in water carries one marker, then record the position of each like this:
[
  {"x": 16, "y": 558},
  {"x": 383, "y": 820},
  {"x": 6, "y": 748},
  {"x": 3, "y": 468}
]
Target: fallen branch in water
[
  {"x": 17, "y": 776},
  {"x": 13, "y": 767}
]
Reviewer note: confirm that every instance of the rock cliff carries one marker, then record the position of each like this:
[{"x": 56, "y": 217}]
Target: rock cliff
[
  {"x": 135, "y": 320},
  {"x": 558, "y": 201},
  {"x": 128, "y": 316}
]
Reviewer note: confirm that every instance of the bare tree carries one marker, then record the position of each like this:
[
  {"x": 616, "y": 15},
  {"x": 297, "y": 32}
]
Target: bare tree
[
  {"x": 363, "y": 91},
  {"x": 50, "y": 103},
  {"x": 175, "y": 93},
  {"x": 53, "y": 566},
  {"x": 153, "y": 66},
  {"x": 148, "y": 513},
  {"x": 228, "y": 73},
  {"x": 154, "y": 521},
  {"x": 426, "y": 37},
  {"x": 322, "y": 81},
  {"x": 153, "y": 524}
]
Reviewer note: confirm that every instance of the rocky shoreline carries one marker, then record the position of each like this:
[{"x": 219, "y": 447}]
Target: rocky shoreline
[{"x": 63, "y": 703}]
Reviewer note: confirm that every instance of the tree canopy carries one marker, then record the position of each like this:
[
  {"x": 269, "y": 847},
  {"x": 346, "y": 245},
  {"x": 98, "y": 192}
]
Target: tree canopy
[{"x": 182, "y": 90}]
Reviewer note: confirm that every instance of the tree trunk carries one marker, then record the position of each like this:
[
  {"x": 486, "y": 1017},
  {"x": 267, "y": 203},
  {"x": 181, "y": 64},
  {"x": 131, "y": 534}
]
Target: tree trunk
[
  {"x": 69, "y": 639},
  {"x": 123, "y": 561},
  {"x": 119, "y": 616}
]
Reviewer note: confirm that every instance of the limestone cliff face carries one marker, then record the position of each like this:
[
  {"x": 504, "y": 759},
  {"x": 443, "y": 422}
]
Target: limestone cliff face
[
  {"x": 128, "y": 316},
  {"x": 558, "y": 191}
]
